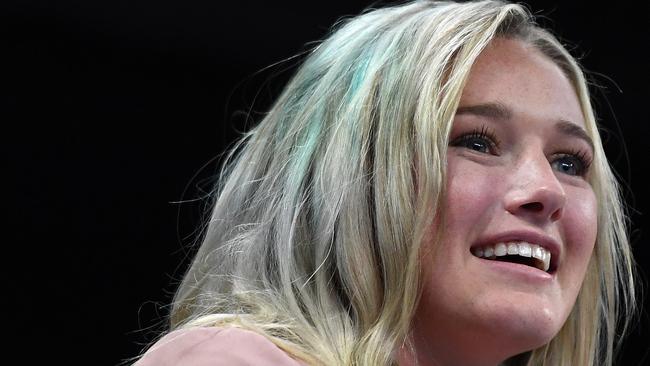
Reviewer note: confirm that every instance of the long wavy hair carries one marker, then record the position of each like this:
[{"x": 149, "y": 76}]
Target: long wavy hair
[{"x": 319, "y": 215}]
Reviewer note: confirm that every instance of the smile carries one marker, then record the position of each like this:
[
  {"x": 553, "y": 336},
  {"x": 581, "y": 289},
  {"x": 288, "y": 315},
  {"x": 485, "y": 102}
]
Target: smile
[{"x": 516, "y": 252}]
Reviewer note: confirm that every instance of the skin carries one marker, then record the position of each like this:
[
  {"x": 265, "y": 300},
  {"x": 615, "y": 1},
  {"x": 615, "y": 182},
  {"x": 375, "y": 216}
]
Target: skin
[{"x": 472, "y": 312}]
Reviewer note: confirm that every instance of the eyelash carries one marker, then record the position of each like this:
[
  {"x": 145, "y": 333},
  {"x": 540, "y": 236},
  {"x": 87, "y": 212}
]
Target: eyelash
[
  {"x": 484, "y": 133},
  {"x": 582, "y": 158},
  {"x": 492, "y": 144}
]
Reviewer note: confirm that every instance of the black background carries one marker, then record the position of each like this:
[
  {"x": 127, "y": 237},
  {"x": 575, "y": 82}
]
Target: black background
[{"x": 114, "y": 111}]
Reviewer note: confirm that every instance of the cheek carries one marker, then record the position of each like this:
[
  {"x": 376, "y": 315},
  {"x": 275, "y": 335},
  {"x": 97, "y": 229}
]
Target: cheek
[
  {"x": 465, "y": 212},
  {"x": 580, "y": 230},
  {"x": 470, "y": 192},
  {"x": 583, "y": 221},
  {"x": 467, "y": 208}
]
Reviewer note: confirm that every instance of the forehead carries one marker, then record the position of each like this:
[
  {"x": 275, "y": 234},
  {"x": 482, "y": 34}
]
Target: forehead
[{"x": 516, "y": 74}]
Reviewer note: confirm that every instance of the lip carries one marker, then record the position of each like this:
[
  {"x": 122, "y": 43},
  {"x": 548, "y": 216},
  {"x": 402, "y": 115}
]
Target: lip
[
  {"x": 528, "y": 273},
  {"x": 528, "y": 236}
]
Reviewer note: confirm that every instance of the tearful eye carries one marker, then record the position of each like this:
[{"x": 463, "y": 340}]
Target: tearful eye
[
  {"x": 477, "y": 144},
  {"x": 570, "y": 165},
  {"x": 482, "y": 141}
]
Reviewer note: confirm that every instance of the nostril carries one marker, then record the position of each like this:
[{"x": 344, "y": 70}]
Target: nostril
[
  {"x": 533, "y": 206},
  {"x": 556, "y": 215}
]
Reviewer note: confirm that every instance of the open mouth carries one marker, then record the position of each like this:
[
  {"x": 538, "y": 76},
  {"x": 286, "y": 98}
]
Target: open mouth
[{"x": 519, "y": 252}]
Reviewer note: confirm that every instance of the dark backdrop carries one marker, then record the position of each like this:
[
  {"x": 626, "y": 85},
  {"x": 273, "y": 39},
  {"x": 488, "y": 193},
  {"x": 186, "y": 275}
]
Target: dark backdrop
[{"x": 114, "y": 111}]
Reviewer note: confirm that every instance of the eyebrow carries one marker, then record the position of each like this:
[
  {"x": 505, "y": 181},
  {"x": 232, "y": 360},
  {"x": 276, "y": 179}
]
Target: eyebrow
[
  {"x": 500, "y": 112},
  {"x": 496, "y": 111},
  {"x": 574, "y": 130}
]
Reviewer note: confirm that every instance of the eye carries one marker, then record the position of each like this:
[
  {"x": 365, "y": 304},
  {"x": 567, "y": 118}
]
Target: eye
[
  {"x": 575, "y": 164},
  {"x": 482, "y": 141}
]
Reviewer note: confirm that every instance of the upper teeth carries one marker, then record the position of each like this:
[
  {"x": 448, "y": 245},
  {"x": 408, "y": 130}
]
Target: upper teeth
[{"x": 515, "y": 248}]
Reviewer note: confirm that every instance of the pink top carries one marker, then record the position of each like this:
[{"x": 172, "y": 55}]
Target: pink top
[{"x": 215, "y": 347}]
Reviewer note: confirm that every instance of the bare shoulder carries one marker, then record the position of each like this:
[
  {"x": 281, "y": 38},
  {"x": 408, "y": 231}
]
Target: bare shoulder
[{"x": 213, "y": 346}]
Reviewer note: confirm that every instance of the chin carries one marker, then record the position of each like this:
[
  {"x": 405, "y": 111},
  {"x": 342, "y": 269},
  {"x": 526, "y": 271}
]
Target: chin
[{"x": 524, "y": 330}]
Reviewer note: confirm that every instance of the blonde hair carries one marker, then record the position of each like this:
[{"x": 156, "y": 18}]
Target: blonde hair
[{"x": 318, "y": 219}]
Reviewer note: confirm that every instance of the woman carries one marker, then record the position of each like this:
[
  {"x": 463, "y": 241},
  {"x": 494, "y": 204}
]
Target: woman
[{"x": 429, "y": 189}]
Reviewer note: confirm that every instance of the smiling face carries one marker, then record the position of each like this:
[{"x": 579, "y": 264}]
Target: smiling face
[{"x": 517, "y": 168}]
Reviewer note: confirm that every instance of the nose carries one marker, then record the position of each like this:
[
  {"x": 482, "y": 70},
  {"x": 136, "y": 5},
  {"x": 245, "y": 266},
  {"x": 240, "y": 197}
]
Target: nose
[{"x": 535, "y": 192}]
